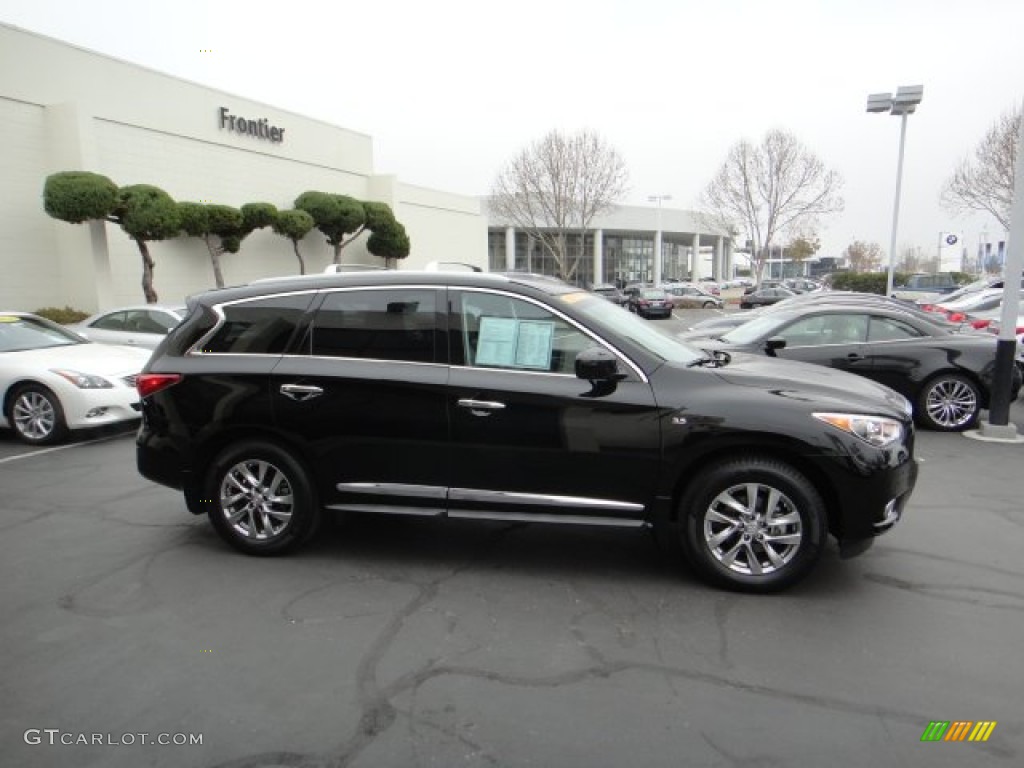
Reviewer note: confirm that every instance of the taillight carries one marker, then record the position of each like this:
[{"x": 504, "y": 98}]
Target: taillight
[
  {"x": 928, "y": 307},
  {"x": 957, "y": 317},
  {"x": 150, "y": 383},
  {"x": 979, "y": 324}
]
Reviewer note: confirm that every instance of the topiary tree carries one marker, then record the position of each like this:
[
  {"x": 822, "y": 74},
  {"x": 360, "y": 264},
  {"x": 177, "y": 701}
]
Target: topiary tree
[
  {"x": 146, "y": 213},
  {"x": 335, "y": 216},
  {"x": 217, "y": 226},
  {"x": 223, "y": 228},
  {"x": 79, "y": 196},
  {"x": 294, "y": 225},
  {"x": 388, "y": 238}
]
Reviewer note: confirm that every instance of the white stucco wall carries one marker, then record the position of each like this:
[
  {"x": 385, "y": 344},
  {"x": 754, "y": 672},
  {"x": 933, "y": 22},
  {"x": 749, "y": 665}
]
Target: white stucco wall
[{"x": 64, "y": 108}]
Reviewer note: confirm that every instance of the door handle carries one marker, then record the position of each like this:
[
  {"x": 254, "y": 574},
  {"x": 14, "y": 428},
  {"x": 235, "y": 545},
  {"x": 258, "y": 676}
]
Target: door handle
[
  {"x": 480, "y": 407},
  {"x": 853, "y": 357},
  {"x": 300, "y": 392}
]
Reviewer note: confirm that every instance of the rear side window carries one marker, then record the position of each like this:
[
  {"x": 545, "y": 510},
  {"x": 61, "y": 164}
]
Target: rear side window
[
  {"x": 395, "y": 324},
  {"x": 259, "y": 326}
]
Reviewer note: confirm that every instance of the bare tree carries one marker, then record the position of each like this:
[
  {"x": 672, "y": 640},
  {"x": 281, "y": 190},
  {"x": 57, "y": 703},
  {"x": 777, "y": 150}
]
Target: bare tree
[
  {"x": 772, "y": 188},
  {"x": 985, "y": 183},
  {"x": 863, "y": 257},
  {"x": 555, "y": 187},
  {"x": 911, "y": 259}
]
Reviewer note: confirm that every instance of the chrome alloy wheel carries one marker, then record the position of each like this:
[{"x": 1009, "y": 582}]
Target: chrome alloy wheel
[
  {"x": 752, "y": 529},
  {"x": 256, "y": 500},
  {"x": 951, "y": 403},
  {"x": 34, "y": 415}
]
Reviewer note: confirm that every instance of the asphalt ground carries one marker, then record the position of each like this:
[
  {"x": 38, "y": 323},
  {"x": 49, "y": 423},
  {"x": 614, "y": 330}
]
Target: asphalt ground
[{"x": 394, "y": 642}]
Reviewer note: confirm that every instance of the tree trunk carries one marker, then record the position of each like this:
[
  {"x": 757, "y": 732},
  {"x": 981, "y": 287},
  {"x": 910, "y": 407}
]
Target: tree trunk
[
  {"x": 218, "y": 275},
  {"x": 337, "y": 253},
  {"x": 147, "y": 273},
  {"x": 302, "y": 264}
]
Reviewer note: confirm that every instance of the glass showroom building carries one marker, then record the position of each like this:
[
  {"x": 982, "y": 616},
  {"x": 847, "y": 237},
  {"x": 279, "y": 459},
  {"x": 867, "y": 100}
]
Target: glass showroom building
[{"x": 619, "y": 247}]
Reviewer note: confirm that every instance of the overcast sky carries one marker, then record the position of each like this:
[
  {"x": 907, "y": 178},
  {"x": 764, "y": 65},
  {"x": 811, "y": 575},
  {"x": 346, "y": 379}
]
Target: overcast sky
[{"x": 449, "y": 90}]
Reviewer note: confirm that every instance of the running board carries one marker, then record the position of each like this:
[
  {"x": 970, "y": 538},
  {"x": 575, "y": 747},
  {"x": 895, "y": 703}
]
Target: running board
[{"x": 508, "y": 517}]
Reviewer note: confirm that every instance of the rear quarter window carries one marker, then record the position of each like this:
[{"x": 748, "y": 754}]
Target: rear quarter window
[{"x": 258, "y": 326}]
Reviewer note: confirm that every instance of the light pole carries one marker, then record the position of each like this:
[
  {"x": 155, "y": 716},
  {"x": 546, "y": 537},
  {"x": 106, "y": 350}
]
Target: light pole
[
  {"x": 657, "y": 236},
  {"x": 904, "y": 103}
]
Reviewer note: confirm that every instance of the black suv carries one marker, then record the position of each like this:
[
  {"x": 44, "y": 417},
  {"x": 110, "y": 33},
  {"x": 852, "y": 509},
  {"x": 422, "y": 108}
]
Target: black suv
[{"x": 507, "y": 398}]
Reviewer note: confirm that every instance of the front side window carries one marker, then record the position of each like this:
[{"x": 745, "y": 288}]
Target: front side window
[
  {"x": 498, "y": 331},
  {"x": 826, "y": 329},
  {"x": 258, "y": 326},
  {"x": 396, "y": 324}
]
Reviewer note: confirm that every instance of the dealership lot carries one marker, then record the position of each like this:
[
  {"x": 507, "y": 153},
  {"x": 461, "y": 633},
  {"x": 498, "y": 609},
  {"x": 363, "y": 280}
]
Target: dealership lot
[{"x": 394, "y": 642}]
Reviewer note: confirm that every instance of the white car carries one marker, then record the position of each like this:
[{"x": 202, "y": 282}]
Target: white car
[
  {"x": 144, "y": 325},
  {"x": 52, "y": 380}
]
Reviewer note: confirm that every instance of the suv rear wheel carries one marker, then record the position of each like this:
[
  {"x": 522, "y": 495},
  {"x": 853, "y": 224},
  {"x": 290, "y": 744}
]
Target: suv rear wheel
[
  {"x": 262, "y": 500},
  {"x": 753, "y": 524}
]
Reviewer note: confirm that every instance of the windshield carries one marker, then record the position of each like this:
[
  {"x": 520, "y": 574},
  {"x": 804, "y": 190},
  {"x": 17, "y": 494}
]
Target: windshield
[
  {"x": 18, "y": 333},
  {"x": 604, "y": 316}
]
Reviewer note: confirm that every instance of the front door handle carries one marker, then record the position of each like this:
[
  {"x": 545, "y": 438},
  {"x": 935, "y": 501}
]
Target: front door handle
[
  {"x": 300, "y": 392},
  {"x": 480, "y": 407},
  {"x": 853, "y": 357}
]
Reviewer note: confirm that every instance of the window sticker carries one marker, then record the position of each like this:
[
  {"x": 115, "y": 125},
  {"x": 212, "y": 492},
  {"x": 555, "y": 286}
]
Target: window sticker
[
  {"x": 496, "y": 344},
  {"x": 533, "y": 348},
  {"x": 509, "y": 343}
]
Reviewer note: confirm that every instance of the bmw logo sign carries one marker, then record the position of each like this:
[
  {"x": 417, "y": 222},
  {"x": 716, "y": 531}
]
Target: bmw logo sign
[{"x": 951, "y": 239}]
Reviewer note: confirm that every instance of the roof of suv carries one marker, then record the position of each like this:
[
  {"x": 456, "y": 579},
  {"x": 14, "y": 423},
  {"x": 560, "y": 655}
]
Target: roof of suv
[{"x": 268, "y": 286}]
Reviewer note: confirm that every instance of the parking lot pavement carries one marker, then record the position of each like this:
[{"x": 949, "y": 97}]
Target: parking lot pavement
[{"x": 411, "y": 642}]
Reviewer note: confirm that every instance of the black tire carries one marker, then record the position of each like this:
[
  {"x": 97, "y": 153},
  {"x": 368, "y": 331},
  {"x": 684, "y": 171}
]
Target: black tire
[
  {"x": 948, "y": 403},
  {"x": 723, "y": 545},
  {"x": 708, "y": 305},
  {"x": 745, "y": 305},
  {"x": 286, "y": 511},
  {"x": 36, "y": 416}
]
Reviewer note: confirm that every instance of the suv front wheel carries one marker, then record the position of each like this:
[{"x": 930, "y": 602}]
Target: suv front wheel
[
  {"x": 753, "y": 524},
  {"x": 262, "y": 500}
]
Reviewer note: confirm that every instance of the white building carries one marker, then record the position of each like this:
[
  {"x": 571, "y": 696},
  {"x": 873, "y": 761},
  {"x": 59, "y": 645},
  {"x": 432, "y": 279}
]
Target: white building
[
  {"x": 63, "y": 108},
  {"x": 620, "y": 246}
]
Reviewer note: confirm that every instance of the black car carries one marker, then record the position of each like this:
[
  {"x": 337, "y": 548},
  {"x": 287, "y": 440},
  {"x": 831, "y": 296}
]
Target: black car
[
  {"x": 509, "y": 399},
  {"x": 714, "y": 326},
  {"x": 649, "y": 302},
  {"x": 948, "y": 376},
  {"x": 764, "y": 297}
]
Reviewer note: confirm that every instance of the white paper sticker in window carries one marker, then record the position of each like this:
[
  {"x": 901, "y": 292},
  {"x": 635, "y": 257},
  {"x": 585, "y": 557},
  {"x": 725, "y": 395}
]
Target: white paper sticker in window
[
  {"x": 533, "y": 349},
  {"x": 509, "y": 343},
  {"x": 496, "y": 343}
]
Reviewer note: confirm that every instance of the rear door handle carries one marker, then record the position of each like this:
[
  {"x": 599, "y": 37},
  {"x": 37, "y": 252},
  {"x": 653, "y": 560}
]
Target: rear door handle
[
  {"x": 300, "y": 392},
  {"x": 480, "y": 407},
  {"x": 853, "y": 357}
]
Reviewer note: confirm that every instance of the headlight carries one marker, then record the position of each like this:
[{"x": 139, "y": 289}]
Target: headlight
[
  {"x": 875, "y": 430},
  {"x": 83, "y": 380}
]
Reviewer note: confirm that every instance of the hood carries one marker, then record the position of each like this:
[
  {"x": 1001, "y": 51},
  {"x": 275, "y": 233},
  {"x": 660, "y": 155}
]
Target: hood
[
  {"x": 827, "y": 388},
  {"x": 99, "y": 359}
]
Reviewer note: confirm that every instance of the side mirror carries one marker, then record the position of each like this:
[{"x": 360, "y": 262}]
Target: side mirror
[
  {"x": 773, "y": 344},
  {"x": 598, "y": 364}
]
